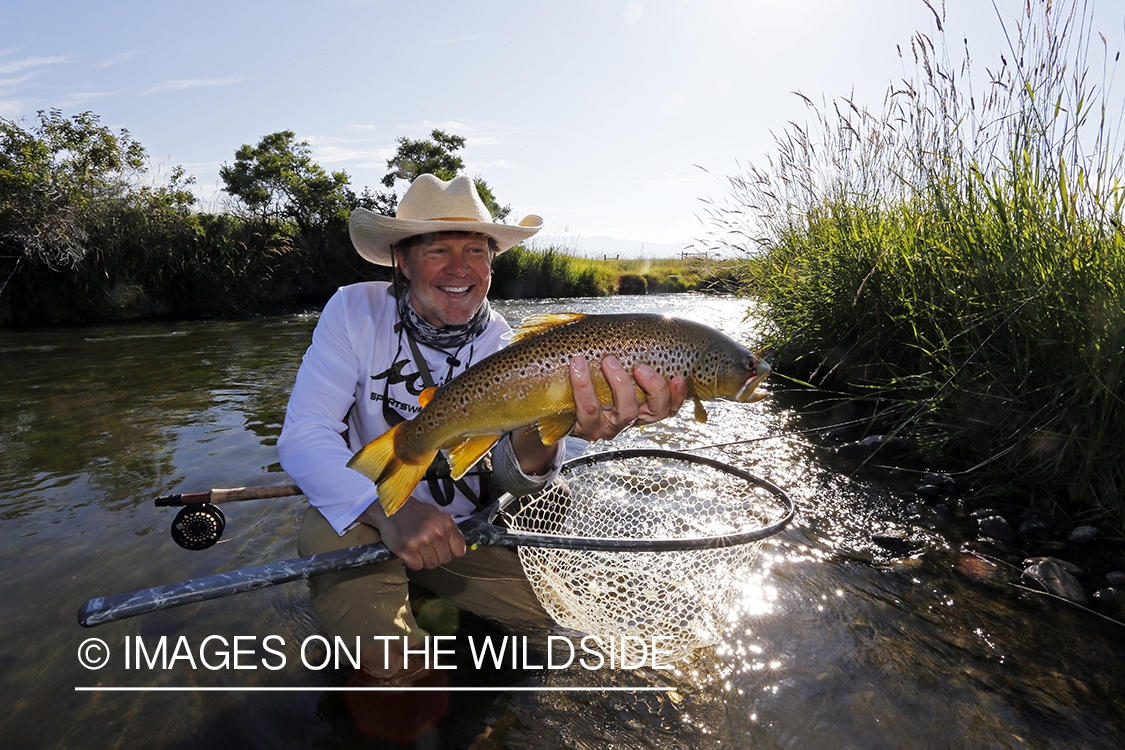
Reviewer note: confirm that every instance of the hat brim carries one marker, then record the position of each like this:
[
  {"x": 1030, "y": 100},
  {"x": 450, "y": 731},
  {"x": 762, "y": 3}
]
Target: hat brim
[{"x": 373, "y": 234}]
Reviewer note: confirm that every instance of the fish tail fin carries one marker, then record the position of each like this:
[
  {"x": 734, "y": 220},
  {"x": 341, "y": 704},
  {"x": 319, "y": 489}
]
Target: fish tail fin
[{"x": 395, "y": 477}]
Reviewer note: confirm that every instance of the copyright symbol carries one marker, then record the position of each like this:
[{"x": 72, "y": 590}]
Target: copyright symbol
[{"x": 93, "y": 653}]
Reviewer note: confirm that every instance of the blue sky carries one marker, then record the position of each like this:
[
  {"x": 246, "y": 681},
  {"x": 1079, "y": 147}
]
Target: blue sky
[{"x": 595, "y": 115}]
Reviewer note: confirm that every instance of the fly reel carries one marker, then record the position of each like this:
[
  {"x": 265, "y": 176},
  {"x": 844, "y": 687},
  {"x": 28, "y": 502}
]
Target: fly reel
[{"x": 198, "y": 526}]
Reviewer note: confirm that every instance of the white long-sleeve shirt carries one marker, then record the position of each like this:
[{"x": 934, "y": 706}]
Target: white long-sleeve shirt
[{"x": 356, "y": 361}]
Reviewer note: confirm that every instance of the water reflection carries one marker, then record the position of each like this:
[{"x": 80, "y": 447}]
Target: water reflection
[{"x": 832, "y": 641}]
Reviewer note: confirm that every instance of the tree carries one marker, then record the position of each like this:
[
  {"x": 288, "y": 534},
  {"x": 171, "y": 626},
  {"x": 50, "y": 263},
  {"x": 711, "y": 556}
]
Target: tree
[
  {"x": 54, "y": 178},
  {"x": 278, "y": 180},
  {"x": 437, "y": 156}
]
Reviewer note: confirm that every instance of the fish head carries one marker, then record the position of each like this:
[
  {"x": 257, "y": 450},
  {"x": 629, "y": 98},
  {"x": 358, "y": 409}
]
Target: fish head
[
  {"x": 758, "y": 371},
  {"x": 729, "y": 370}
]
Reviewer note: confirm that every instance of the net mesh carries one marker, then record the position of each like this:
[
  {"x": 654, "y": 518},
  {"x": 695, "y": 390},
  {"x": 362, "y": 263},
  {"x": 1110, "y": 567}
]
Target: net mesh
[{"x": 642, "y": 604}]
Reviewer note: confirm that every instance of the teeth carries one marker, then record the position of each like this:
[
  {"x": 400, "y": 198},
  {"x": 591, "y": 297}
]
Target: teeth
[{"x": 455, "y": 289}]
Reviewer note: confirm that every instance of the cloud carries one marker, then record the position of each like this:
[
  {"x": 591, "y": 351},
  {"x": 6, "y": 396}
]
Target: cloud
[
  {"x": 83, "y": 97},
  {"x": 118, "y": 58},
  {"x": 29, "y": 62},
  {"x": 12, "y": 108},
  {"x": 190, "y": 83},
  {"x": 7, "y": 83},
  {"x": 332, "y": 150}
]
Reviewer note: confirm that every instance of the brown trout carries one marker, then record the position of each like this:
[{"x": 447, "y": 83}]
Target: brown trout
[{"x": 528, "y": 383}]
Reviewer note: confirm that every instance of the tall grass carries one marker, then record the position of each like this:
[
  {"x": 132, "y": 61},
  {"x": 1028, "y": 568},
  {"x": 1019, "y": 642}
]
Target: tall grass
[{"x": 959, "y": 254}]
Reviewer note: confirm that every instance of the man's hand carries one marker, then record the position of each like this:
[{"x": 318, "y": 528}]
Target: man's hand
[
  {"x": 420, "y": 534},
  {"x": 595, "y": 422}
]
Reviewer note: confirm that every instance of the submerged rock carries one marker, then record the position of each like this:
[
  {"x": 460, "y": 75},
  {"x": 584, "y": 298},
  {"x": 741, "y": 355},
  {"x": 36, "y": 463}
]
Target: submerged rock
[
  {"x": 984, "y": 570},
  {"x": 895, "y": 542},
  {"x": 1111, "y": 601},
  {"x": 937, "y": 485},
  {"x": 1050, "y": 577},
  {"x": 997, "y": 527},
  {"x": 1034, "y": 530}
]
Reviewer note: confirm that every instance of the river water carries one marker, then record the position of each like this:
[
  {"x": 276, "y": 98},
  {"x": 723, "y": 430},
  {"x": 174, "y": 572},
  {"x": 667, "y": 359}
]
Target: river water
[{"x": 832, "y": 643}]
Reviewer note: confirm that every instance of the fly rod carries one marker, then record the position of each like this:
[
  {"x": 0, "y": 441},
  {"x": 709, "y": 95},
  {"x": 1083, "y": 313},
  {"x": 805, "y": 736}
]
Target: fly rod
[{"x": 493, "y": 526}]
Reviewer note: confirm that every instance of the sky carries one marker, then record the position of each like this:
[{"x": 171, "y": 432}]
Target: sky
[{"x": 609, "y": 118}]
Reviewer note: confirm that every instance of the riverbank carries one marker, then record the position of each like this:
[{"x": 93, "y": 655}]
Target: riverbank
[
  {"x": 1001, "y": 542},
  {"x": 201, "y": 281},
  {"x": 965, "y": 279}
]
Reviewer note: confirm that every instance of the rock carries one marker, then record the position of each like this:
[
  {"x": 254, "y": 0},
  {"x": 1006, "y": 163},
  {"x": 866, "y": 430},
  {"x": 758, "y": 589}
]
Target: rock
[
  {"x": 1034, "y": 530},
  {"x": 1111, "y": 601},
  {"x": 1116, "y": 579},
  {"x": 894, "y": 541},
  {"x": 984, "y": 571},
  {"x": 996, "y": 527},
  {"x": 943, "y": 482},
  {"x": 1054, "y": 580},
  {"x": 930, "y": 492},
  {"x": 1082, "y": 535},
  {"x": 1069, "y": 567},
  {"x": 883, "y": 445}
]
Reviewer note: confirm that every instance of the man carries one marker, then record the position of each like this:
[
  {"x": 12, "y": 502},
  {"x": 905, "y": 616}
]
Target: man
[{"x": 376, "y": 346}]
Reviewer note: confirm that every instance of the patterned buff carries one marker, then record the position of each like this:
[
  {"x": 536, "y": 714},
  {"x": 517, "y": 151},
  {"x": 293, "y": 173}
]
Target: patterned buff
[{"x": 449, "y": 337}]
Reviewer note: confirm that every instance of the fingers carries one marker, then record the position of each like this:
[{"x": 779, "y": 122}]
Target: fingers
[
  {"x": 421, "y": 535},
  {"x": 588, "y": 409},
  {"x": 662, "y": 399},
  {"x": 594, "y": 421}
]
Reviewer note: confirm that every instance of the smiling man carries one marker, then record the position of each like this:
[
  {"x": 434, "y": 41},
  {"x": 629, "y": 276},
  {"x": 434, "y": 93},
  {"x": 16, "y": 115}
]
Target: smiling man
[{"x": 376, "y": 346}]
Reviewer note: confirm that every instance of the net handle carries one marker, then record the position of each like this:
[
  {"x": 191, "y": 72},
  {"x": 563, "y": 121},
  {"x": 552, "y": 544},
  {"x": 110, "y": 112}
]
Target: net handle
[{"x": 508, "y": 537}]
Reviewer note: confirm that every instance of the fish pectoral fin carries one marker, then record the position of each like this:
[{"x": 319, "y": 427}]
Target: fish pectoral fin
[
  {"x": 465, "y": 454},
  {"x": 426, "y": 396},
  {"x": 700, "y": 412},
  {"x": 533, "y": 324},
  {"x": 554, "y": 428}
]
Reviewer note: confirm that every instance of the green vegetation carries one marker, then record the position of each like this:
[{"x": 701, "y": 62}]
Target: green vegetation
[
  {"x": 83, "y": 239},
  {"x": 539, "y": 273},
  {"x": 959, "y": 259}
]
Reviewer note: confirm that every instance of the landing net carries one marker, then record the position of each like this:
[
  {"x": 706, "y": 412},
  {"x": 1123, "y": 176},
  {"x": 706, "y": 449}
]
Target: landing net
[{"x": 712, "y": 515}]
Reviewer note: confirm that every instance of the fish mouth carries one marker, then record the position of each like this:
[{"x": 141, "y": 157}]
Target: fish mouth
[{"x": 746, "y": 393}]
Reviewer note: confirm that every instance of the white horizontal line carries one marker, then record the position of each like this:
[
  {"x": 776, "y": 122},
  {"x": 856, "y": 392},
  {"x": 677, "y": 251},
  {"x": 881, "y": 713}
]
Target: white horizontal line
[{"x": 418, "y": 689}]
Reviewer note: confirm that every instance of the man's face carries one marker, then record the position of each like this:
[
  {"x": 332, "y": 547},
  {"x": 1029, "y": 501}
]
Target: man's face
[{"x": 449, "y": 277}]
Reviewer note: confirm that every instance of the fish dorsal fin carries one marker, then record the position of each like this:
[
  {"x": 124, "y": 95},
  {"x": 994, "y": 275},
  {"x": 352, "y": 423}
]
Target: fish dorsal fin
[
  {"x": 426, "y": 396},
  {"x": 700, "y": 412},
  {"x": 535, "y": 324},
  {"x": 466, "y": 453},
  {"x": 554, "y": 428}
]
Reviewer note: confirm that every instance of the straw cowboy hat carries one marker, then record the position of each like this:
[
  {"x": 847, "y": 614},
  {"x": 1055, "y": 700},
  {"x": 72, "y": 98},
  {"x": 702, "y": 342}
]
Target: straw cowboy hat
[{"x": 433, "y": 205}]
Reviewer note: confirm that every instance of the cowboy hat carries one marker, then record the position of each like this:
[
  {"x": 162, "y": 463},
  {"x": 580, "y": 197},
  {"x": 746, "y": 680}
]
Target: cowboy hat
[{"x": 433, "y": 205}]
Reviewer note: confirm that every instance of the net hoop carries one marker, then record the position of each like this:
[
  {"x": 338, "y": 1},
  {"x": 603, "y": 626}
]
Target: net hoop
[{"x": 663, "y": 542}]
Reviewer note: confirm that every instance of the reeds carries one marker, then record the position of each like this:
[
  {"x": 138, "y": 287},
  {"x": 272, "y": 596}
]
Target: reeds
[{"x": 960, "y": 255}]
